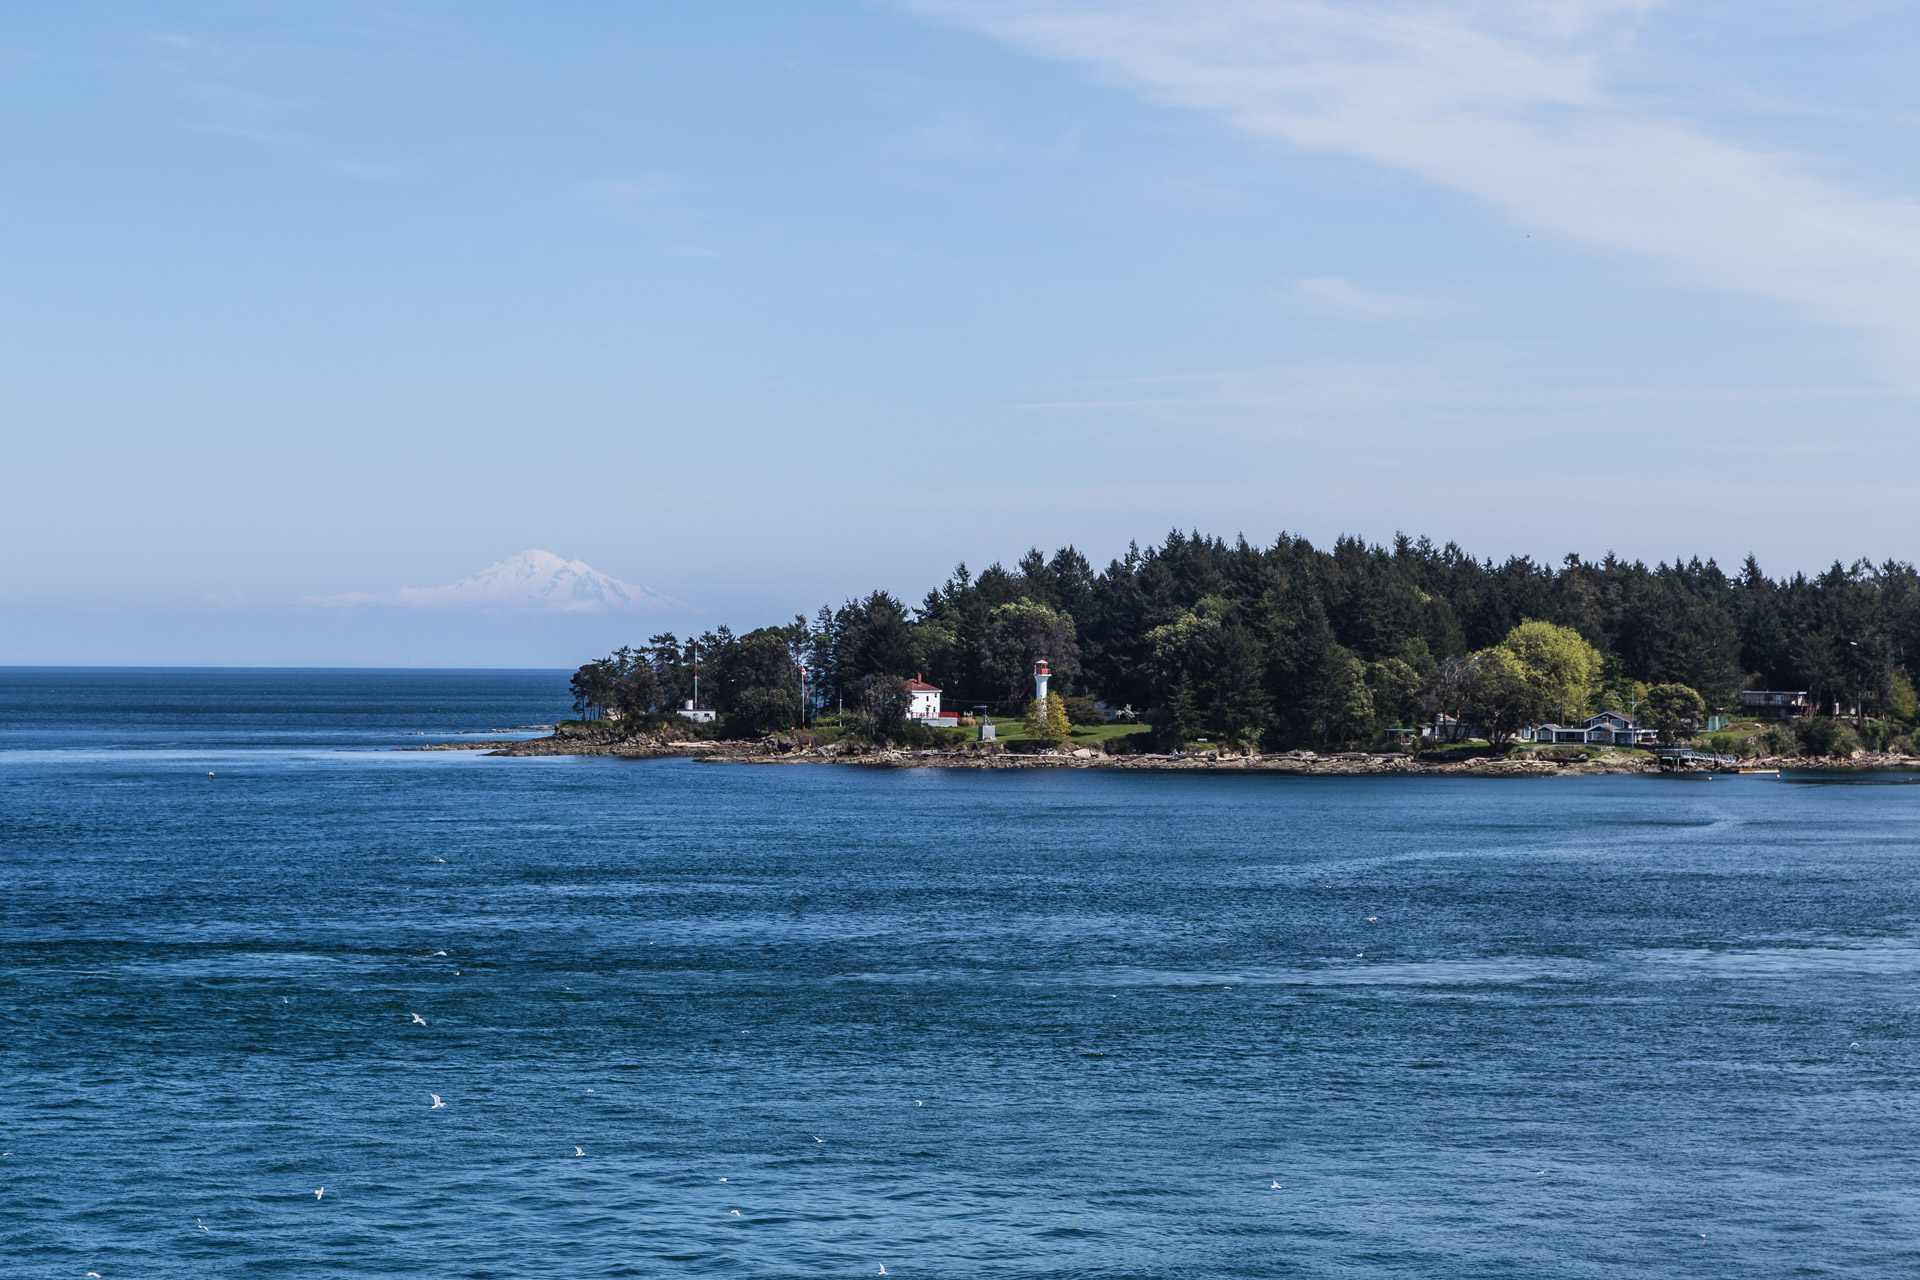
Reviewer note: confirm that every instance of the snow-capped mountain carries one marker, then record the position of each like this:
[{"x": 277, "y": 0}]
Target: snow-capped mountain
[{"x": 531, "y": 582}]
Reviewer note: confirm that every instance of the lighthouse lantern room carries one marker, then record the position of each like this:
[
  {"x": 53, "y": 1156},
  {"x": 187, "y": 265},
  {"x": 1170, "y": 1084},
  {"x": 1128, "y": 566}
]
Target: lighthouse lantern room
[{"x": 1040, "y": 680}]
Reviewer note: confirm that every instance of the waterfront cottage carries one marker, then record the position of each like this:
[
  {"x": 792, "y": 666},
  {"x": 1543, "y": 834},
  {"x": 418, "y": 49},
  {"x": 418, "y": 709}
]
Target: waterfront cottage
[
  {"x": 1776, "y": 704},
  {"x": 1444, "y": 728},
  {"x": 1609, "y": 728}
]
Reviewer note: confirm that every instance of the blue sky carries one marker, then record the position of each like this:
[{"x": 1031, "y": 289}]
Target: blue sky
[{"x": 767, "y": 304}]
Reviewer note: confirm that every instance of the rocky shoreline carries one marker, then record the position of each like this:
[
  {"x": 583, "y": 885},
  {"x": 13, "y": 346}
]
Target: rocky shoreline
[{"x": 575, "y": 742}]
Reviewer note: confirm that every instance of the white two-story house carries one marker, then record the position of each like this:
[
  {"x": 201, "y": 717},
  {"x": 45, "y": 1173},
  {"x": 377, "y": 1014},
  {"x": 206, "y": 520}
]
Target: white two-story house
[{"x": 924, "y": 702}]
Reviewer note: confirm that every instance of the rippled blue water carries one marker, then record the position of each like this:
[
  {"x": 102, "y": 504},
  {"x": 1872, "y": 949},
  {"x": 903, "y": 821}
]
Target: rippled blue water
[{"x": 809, "y": 1021}]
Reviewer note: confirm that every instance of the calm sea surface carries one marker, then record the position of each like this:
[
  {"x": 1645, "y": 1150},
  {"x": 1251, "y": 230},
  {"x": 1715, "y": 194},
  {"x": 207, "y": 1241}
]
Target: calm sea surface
[{"x": 810, "y": 1021}]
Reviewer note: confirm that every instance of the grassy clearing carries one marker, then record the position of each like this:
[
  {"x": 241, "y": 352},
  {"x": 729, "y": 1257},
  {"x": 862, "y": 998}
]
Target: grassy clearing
[{"x": 1083, "y": 734}]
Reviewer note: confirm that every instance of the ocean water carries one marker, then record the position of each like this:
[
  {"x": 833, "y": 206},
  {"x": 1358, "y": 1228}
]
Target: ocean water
[{"x": 712, "y": 1020}]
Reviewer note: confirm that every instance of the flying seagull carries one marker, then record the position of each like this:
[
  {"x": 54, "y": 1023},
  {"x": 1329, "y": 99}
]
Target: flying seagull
[
  {"x": 318, "y": 1192},
  {"x": 577, "y": 1151},
  {"x": 437, "y": 953},
  {"x": 439, "y": 859},
  {"x": 734, "y": 1212},
  {"x": 420, "y": 1020},
  {"x": 883, "y": 1268},
  {"x": 1276, "y": 1185},
  {"x": 437, "y": 1104},
  {"x": 203, "y": 1226}
]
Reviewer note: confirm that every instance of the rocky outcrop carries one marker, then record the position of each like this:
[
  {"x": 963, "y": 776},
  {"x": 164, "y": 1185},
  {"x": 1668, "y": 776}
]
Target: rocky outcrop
[{"x": 1859, "y": 761}]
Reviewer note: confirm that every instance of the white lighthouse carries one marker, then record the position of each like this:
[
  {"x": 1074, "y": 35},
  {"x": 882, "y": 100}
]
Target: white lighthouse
[{"x": 1040, "y": 680}]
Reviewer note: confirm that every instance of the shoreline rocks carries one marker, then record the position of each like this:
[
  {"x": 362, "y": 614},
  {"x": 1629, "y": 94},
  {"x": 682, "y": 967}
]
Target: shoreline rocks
[{"x": 791, "y": 750}]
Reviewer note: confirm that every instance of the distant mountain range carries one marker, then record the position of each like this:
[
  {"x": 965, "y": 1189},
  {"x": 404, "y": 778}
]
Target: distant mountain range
[{"x": 531, "y": 582}]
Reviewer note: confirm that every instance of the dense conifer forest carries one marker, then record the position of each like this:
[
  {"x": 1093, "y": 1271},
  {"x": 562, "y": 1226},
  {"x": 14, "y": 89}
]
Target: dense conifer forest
[{"x": 1287, "y": 644}]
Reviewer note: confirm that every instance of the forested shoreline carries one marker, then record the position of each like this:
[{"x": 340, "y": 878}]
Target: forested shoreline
[{"x": 1289, "y": 645}]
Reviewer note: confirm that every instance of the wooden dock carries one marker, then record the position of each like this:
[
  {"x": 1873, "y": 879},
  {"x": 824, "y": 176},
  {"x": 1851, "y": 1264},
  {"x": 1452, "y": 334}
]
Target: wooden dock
[{"x": 1677, "y": 758}]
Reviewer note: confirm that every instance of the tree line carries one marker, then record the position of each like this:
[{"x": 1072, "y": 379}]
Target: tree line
[{"x": 1287, "y": 644}]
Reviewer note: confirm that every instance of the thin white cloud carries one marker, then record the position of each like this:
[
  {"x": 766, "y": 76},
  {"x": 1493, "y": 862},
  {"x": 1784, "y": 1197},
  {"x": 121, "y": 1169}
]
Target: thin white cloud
[
  {"x": 639, "y": 193},
  {"x": 1343, "y": 296},
  {"x": 221, "y": 84},
  {"x": 1512, "y": 102}
]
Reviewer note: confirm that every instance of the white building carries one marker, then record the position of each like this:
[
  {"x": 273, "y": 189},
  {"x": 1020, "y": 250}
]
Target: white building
[
  {"x": 704, "y": 715},
  {"x": 924, "y": 704}
]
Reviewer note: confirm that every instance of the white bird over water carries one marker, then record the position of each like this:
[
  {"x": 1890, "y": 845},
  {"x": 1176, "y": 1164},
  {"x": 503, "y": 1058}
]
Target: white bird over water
[
  {"x": 1276, "y": 1185},
  {"x": 734, "y": 1212},
  {"x": 318, "y": 1192},
  {"x": 203, "y": 1226},
  {"x": 419, "y": 1020},
  {"x": 819, "y": 1139},
  {"x": 437, "y": 1104},
  {"x": 437, "y": 953},
  {"x": 577, "y": 1151},
  {"x": 439, "y": 859},
  {"x": 883, "y": 1268}
]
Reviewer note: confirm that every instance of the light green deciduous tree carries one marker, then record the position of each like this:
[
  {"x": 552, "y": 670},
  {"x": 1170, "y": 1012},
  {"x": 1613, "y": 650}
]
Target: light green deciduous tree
[
  {"x": 1048, "y": 720},
  {"x": 1559, "y": 663}
]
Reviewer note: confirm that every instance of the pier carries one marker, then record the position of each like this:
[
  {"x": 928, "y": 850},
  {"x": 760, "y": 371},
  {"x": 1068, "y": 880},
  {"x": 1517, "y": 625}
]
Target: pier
[{"x": 1676, "y": 758}]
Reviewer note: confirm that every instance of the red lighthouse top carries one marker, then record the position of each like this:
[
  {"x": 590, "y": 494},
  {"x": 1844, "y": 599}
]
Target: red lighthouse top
[{"x": 1040, "y": 668}]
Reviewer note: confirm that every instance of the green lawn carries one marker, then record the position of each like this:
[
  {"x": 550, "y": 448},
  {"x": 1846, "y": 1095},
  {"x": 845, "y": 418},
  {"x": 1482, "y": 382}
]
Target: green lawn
[{"x": 1012, "y": 730}]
